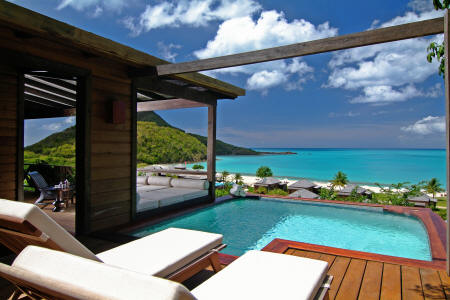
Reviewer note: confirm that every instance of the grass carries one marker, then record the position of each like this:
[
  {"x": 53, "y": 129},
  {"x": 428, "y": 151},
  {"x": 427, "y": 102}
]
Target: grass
[{"x": 442, "y": 201}]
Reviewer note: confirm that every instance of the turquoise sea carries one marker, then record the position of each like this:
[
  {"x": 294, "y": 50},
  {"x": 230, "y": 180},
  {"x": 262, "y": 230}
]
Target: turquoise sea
[{"x": 363, "y": 166}]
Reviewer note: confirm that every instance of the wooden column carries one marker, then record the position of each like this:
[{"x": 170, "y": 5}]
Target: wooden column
[
  {"x": 133, "y": 148},
  {"x": 447, "y": 126},
  {"x": 20, "y": 136},
  {"x": 83, "y": 155},
  {"x": 211, "y": 149}
]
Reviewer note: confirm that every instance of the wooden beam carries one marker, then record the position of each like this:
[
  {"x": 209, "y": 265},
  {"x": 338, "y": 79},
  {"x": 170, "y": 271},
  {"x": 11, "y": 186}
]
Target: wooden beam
[
  {"x": 51, "y": 97},
  {"x": 152, "y": 95},
  {"x": 165, "y": 87},
  {"x": 211, "y": 150},
  {"x": 447, "y": 125},
  {"x": 56, "y": 81},
  {"x": 30, "y": 81},
  {"x": 28, "y": 21},
  {"x": 44, "y": 102},
  {"x": 168, "y": 104},
  {"x": 365, "y": 38}
]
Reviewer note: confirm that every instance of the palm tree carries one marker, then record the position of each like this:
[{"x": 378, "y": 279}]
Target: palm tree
[
  {"x": 433, "y": 186},
  {"x": 225, "y": 174},
  {"x": 237, "y": 177},
  {"x": 340, "y": 179}
]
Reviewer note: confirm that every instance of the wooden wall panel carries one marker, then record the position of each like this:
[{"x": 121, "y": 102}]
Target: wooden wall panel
[
  {"x": 111, "y": 156},
  {"x": 8, "y": 132}
]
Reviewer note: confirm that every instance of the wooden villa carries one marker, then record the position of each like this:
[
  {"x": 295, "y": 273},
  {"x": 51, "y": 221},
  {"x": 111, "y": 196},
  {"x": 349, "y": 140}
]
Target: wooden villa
[{"x": 51, "y": 69}]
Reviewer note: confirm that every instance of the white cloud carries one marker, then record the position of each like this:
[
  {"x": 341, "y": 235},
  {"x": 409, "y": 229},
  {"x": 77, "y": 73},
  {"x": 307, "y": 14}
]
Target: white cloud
[
  {"x": 426, "y": 126},
  {"x": 96, "y": 7},
  {"x": 52, "y": 126},
  {"x": 193, "y": 13},
  {"x": 421, "y": 5},
  {"x": 265, "y": 79},
  {"x": 167, "y": 52},
  {"x": 70, "y": 120},
  {"x": 387, "y": 73},
  {"x": 269, "y": 30},
  {"x": 349, "y": 114}
]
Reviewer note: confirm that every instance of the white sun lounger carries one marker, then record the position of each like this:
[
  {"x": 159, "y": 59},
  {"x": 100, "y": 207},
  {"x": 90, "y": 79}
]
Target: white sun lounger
[
  {"x": 172, "y": 253},
  {"x": 255, "y": 275}
]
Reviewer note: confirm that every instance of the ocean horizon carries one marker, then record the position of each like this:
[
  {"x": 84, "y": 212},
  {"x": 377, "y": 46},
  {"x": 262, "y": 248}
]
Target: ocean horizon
[{"x": 362, "y": 165}]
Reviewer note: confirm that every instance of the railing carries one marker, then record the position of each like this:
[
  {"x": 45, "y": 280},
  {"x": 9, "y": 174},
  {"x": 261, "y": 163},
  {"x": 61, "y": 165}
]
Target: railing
[{"x": 172, "y": 171}]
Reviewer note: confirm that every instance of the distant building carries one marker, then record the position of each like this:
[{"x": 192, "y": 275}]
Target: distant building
[
  {"x": 302, "y": 184},
  {"x": 422, "y": 200},
  {"x": 303, "y": 193},
  {"x": 270, "y": 183},
  {"x": 348, "y": 189}
]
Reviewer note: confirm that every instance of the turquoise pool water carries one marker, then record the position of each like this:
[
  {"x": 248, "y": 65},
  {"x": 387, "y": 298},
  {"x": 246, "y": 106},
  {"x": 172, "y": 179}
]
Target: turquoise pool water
[{"x": 251, "y": 224}]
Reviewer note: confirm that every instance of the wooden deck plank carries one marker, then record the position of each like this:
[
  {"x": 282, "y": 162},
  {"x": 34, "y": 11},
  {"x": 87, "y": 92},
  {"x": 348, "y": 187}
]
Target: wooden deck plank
[
  {"x": 328, "y": 258},
  {"x": 391, "y": 283},
  {"x": 371, "y": 284},
  {"x": 411, "y": 283},
  {"x": 352, "y": 280},
  {"x": 337, "y": 270},
  {"x": 445, "y": 282},
  {"x": 431, "y": 284}
]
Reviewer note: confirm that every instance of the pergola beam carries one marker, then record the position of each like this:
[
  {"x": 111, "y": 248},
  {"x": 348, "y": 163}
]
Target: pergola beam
[
  {"x": 156, "y": 85},
  {"x": 51, "y": 97},
  {"x": 365, "y": 38},
  {"x": 168, "y": 104}
]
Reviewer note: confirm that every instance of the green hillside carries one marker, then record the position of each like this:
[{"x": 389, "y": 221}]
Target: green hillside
[
  {"x": 158, "y": 142},
  {"x": 56, "y": 149},
  {"x": 223, "y": 148}
]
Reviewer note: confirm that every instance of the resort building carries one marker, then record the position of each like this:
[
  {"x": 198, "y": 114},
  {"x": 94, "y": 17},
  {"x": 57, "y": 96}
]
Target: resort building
[
  {"x": 303, "y": 193},
  {"x": 303, "y": 184},
  {"x": 423, "y": 200},
  {"x": 350, "y": 188},
  {"x": 270, "y": 183}
]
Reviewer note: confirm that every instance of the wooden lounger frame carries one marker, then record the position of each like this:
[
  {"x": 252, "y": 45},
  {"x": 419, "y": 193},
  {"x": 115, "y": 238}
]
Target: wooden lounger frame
[{"x": 16, "y": 234}]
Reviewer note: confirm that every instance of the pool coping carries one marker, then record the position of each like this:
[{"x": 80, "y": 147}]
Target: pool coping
[{"x": 434, "y": 225}]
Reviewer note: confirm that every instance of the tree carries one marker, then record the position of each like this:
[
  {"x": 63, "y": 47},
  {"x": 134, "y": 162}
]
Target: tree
[
  {"x": 340, "y": 179},
  {"x": 437, "y": 50},
  {"x": 225, "y": 174},
  {"x": 433, "y": 186},
  {"x": 264, "y": 171},
  {"x": 198, "y": 167},
  {"x": 327, "y": 194},
  {"x": 238, "y": 178}
]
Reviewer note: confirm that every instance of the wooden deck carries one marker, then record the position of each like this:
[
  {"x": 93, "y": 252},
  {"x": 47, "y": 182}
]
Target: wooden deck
[{"x": 367, "y": 279}]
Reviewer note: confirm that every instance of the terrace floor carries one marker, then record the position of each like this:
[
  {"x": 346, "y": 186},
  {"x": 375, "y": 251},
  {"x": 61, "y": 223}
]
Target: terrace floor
[{"x": 356, "y": 276}]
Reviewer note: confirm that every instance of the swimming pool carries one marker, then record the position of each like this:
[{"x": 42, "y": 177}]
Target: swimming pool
[{"x": 251, "y": 224}]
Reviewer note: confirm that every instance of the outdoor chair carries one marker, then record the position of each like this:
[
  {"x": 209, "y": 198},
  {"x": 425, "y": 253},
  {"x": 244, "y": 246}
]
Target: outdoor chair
[
  {"x": 43, "y": 273},
  {"x": 173, "y": 253},
  {"x": 48, "y": 193}
]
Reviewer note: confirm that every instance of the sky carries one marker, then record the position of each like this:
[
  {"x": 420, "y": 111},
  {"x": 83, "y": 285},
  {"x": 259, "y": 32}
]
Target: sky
[{"x": 381, "y": 96}]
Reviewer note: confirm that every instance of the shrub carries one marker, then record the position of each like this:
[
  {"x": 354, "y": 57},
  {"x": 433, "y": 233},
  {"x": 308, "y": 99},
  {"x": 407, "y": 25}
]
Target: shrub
[
  {"x": 264, "y": 171},
  {"x": 277, "y": 192},
  {"x": 198, "y": 167}
]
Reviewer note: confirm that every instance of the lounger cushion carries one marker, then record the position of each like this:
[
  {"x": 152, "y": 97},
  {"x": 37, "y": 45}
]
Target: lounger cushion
[
  {"x": 47, "y": 225},
  {"x": 141, "y": 180},
  {"x": 265, "y": 275},
  {"x": 190, "y": 184},
  {"x": 87, "y": 279},
  {"x": 162, "y": 253},
  {"x": 176, "y": 195},
  {"x": 159, "y": 180}
]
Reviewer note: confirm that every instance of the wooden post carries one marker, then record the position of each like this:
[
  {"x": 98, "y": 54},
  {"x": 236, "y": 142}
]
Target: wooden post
[
  {"x": 211, "y": 150},
  {"x": 447, "y": 126},
  {"x": 83, "y": 155},
  {"x": 133, "y": 148},
  {"x": 20, "y": 136}
]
